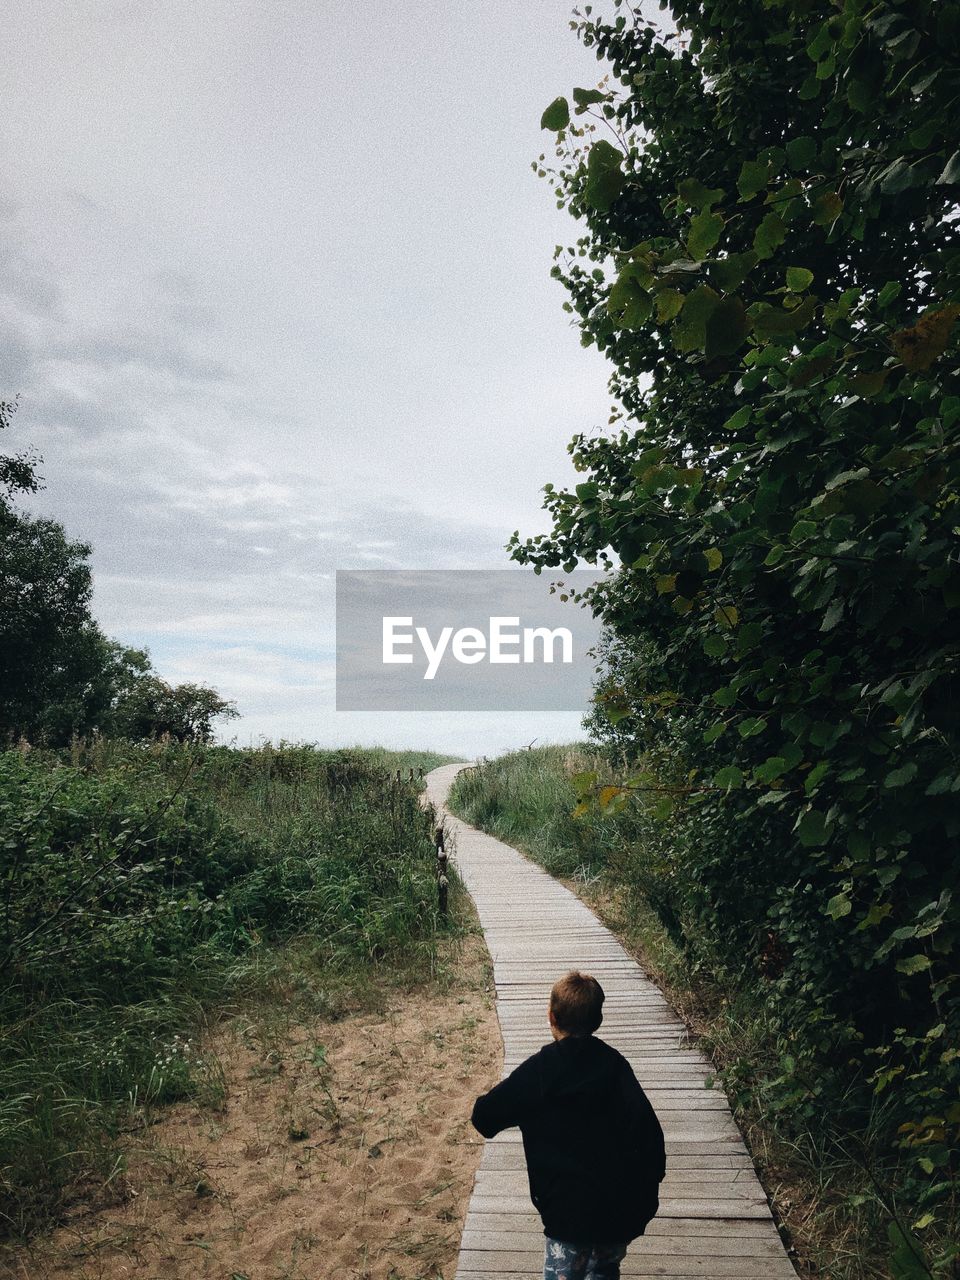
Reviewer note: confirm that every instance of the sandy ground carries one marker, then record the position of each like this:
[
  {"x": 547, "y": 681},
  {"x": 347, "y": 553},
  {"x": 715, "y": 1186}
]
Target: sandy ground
[{"x": 340, "y": 1149}]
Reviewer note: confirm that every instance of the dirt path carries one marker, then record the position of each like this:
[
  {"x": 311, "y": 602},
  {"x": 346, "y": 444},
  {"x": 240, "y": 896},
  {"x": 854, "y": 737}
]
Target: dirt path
[
  {"x": 714, "y": 1221},
  {"x": 337, "y": 1149}
]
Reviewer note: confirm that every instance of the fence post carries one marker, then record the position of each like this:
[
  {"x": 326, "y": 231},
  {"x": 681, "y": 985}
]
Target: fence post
[{"x": 443, "y": 882}]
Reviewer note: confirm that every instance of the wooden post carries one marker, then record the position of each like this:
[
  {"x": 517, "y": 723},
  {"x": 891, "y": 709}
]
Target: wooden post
[
  {"x": 442, "y": 887},
  {"x": 443, "y": 883}
]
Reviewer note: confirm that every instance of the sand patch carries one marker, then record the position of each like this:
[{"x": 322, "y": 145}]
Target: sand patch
[{"x": 341, "y": 1149}]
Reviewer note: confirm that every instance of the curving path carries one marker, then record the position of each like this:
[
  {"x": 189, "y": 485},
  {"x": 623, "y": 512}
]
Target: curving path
[{"x": 714, "y": 1221}]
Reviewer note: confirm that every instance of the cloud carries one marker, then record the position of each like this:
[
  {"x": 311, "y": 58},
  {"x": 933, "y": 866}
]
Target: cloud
[{"x": 275, "y": 285}]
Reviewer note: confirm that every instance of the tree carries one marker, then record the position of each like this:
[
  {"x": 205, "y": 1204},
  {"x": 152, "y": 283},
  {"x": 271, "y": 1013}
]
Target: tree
[
  {"x": 770, "y": 258},
  {"x": 59, "y": 674},
  {"x": 47, "y": 637},
  {"x": 18, "y": 471},
  {"x": 152, "y": 708}
]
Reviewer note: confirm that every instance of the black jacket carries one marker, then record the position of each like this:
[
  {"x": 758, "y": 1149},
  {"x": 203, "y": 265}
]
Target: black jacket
[{"x": 594, "y": 1147}]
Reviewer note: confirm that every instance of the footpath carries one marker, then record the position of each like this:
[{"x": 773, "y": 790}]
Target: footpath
[{"x": 714, "y": 1221}]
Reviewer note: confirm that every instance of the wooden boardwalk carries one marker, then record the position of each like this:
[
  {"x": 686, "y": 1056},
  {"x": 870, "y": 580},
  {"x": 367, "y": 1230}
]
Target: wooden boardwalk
[{"x": 714, "y": 1221}]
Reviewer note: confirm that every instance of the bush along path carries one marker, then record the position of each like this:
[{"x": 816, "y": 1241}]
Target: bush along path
[{"x": 714, "y": 1219}]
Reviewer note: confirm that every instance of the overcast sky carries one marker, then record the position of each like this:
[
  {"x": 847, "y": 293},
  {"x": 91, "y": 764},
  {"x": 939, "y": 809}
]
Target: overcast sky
[{"x": 274, "y": 286}]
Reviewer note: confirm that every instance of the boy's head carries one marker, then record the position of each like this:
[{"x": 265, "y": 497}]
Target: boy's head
[{"x": 576, "y": 1004}]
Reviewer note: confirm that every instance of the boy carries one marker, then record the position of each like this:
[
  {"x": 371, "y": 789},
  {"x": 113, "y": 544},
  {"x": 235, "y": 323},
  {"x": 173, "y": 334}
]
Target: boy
[{"x": 594, "y": 1147}]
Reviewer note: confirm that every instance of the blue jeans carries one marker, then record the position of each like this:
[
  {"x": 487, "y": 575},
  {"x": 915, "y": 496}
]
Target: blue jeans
[{"x": 564, "y": 1261}]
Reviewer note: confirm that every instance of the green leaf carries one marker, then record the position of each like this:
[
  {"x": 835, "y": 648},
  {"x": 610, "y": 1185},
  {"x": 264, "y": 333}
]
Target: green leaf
[
  {"x": 690, "y": 330},
  {"x": 617, "y": 712},
  {"x": 584, "y": 98},
  {"x": 770, "y": 235},
  {"x": 798, "y": 279},
  {"x": 951, "y": 173},
  {"x": 730, "y": 272},
  {"x": 753, "y": 178},
  {"x": 801, "y": 152},
  {"x": 900, "y": 777},
  {"x": 812, "y": 829},
  {"x": 827, "y": 208},
  {"x": 669, "y": 304},
  {"x": 628, "y": 303},
  {"x": 832, "y": 616},
  {"x": 727, "y": 328},
  {"x": 556, "y": 116},
  {"x": 714, "y": 646},
  {"x": 860, "y": 95},
  {"x": 604, "y": 176},
  {"x": 750, "y": 727},
  {"x": 738, "y": 420},
  {"x": 776, "y": 322},
  {"x": 772, "y": 768},
  {"x": 809, "y": 89},
  {"x": 906, "y": 1260},
  {"x": 899, "y": 176},
  {"x": 714, "y": 558},
  {"x": 696, "y": 195},
  {"x": 913, "y": 964},
  {"x": 941, "y": 784},
  {"x": 839, "y": 906},
  {"x": 728, "y": 778},
  {"x": 705, "y": 230},
  {"x": 726, "y": 615}
]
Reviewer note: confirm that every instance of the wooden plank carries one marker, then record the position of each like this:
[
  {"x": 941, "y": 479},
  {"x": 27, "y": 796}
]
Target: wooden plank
[
  {"x": 670, "y": 1229},
  {"x": 507, "y": 1182},
  {"x": 498, "y": 1158},
  {"x": 649, "y": 1246},
  {"x": 679, "y": 1153},
  {"x": 636, "y": 1263},
  {"x": 732, "y": 1246}
]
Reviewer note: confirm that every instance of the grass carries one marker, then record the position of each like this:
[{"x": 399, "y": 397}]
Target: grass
[
  {"x": 366, "y": 1111},
  {"x": 147, "y": 888}
]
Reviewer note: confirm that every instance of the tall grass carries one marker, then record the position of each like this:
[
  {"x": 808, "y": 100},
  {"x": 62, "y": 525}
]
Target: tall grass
[
  {"x": 143, "y": 884},
  {"x": 528, "y": 799}
]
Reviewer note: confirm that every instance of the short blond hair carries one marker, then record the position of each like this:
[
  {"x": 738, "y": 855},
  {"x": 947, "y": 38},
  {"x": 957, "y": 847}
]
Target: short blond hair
[{"x": 576, "y": 1003}]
